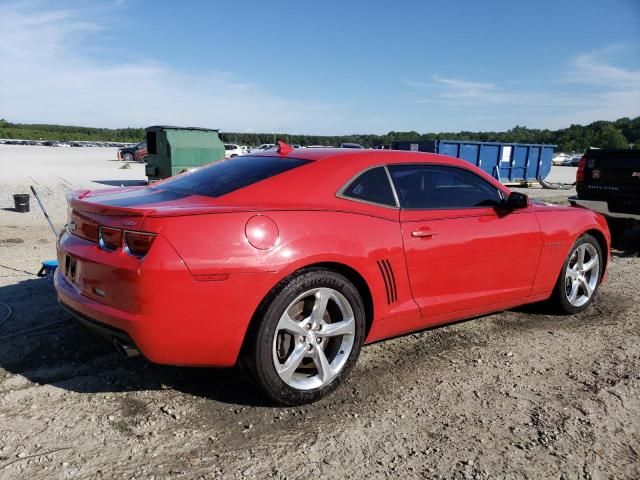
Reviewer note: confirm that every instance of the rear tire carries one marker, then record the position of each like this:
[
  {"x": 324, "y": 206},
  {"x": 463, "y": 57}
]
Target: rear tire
[
  {"x": 580, "y": 276},
  {"x": 308, "y": 339}
]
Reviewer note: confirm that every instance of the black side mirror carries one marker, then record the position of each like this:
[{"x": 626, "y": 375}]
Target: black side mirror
[{"x": 516, "y": 200}]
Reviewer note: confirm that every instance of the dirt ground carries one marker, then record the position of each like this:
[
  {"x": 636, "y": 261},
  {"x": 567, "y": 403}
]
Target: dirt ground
[{"x": 518, "y": 394}]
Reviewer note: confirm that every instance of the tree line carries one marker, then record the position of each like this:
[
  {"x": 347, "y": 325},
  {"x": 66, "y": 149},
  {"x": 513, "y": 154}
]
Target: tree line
[{"x": 622, "y": 133}]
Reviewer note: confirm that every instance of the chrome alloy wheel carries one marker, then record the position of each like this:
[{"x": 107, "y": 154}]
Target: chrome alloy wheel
[
  {"x": 582, "y": 274},
  {"x": 314, "y": 338}
]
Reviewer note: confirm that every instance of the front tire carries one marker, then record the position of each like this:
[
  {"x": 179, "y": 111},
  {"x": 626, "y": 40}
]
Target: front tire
[
  {"x": 580, "y": 276},
  {"x": 309, "y": 338},
  {"x": 127, "y": 157}
]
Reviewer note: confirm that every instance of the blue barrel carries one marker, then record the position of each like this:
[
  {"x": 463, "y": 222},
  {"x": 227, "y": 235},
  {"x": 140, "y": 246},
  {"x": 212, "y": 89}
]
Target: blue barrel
[{"x": 507, "y": 162}]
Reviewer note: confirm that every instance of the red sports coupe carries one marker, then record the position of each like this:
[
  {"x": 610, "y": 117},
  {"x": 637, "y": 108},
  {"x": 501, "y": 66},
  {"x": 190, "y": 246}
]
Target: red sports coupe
[{"x": 288, "y": 261}]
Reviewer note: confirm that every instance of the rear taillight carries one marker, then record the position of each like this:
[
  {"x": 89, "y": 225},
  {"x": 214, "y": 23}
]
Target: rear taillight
[
  {"x": 82, "y": 227},
  {"x": 138, "y": 243},
  {"x": 110, "y": 238},
  {"x": 581, "y": 166}
]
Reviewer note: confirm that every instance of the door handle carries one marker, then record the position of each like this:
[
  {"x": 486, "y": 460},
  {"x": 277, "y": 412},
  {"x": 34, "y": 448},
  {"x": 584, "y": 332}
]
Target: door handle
[{"x": 423, "y": 234}]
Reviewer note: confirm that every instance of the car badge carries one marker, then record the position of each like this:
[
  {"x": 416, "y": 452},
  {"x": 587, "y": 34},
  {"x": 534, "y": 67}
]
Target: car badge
[{"x": 128, "y": 223}]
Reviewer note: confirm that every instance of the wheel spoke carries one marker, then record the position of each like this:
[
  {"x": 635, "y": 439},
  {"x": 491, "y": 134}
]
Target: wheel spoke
[
  {"x": 345, "y": 327},
  {"x": 288, "y": 368},
  {"x": 574, "y": 291},
  {"x": 322, "y": 364},
  {"x": 580, "y": 262},
  {"x": 593, "y": 262},
  {"x": 586, "y": 287},
  {"x": 290, "y": 325},
  {"x": 320, "y": 305}
]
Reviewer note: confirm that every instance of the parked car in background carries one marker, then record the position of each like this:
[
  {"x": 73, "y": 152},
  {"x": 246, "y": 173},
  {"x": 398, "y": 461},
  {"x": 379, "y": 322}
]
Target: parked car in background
[
  {"x": 351, "y": 145},
  {"x": 288, "y": 261},
  {"x": 608, "y": 182},
  {"x": 574, "y": 160},
  {"x": 127, "y": 154},
  {"x": 140, "y": 154},
  {"x": 263, "y": 147},
  {"x": 232, "y": 150},
  {"x": 560, "y": 158}
]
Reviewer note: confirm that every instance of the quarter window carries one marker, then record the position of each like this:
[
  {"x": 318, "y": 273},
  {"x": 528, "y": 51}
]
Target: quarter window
[
  {"x": 439, "y": 187},
  {"x": 371, "y": 186}
]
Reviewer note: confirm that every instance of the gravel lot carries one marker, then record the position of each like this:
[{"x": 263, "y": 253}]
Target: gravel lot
[{"x": 519, "y": 394}]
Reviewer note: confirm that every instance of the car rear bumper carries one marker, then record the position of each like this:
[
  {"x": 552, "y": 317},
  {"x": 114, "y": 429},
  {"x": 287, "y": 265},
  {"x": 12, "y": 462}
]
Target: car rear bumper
[
  {"x": 601, "y": 206},
  {"x": 119, "y": 338},
  {"x": 156, "y": 306}
]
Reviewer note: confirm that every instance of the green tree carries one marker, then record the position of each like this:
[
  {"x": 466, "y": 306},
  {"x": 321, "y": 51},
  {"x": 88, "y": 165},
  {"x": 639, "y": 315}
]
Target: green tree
[
  {"x": 618, "y": 134},
  {"x": 611, "y": 137}
]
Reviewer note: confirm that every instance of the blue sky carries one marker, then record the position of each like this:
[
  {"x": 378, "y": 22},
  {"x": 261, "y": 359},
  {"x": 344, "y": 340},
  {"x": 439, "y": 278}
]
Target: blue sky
[{"x": 320, "y": 67}]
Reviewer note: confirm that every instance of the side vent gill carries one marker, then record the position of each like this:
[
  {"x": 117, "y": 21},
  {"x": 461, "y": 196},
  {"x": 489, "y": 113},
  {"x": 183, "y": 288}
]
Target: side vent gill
[{"x": 389, "y": 280}]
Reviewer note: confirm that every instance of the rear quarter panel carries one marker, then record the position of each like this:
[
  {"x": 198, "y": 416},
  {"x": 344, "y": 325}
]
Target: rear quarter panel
[
  {"x": 561, "y": 227},
  {"x": 216, "y": 244}
]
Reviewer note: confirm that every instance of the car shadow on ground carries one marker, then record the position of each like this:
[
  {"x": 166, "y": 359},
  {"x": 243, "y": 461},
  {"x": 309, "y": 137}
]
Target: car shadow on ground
[
  {"x": 121, "y": 183},
  {"x": 43, "y": 344},
  {"x": 628, "y": 245}
]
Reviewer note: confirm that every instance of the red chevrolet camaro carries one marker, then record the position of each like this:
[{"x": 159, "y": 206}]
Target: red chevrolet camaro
[{"x": 289, "y": 261}]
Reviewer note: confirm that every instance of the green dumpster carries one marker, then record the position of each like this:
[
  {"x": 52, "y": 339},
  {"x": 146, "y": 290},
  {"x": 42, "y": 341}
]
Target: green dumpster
[{"x": 173, "y": 150}]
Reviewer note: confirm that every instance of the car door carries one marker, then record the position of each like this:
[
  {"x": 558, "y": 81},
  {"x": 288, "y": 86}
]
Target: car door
[{"x": 463, "y": 250}]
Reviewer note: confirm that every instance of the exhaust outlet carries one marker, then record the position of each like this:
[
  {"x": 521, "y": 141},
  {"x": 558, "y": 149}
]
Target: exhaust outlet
[{"x": 125, "y": 349}]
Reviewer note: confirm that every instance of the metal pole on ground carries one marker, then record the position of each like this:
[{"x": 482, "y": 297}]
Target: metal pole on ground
[{"x": 44, "y": 210}]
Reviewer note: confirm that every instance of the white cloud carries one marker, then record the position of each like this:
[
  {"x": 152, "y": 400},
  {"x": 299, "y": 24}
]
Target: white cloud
[
  {"x": 605, "y": 92},
  {"x": 459, "y": 92},
  {"x": 591, "y": 69},
  {"x": 45, "y": 78},
  {"x": 464, "y": 85}
]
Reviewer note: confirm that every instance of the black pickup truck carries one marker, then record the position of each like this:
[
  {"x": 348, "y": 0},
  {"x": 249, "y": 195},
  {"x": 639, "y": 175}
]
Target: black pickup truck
[{"x": 608, "y": 181}]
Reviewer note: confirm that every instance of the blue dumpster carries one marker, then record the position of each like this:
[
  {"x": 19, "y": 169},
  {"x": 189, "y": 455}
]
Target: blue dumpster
[{"x": 507, "y": 162}]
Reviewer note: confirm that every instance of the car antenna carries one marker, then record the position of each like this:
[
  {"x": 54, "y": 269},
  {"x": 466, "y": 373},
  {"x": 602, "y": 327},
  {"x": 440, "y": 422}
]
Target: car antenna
[{"x": 284, "y": 149}]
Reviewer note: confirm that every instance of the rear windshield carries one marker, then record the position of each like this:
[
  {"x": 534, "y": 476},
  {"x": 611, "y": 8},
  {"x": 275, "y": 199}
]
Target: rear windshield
[{"x": 227, "y": 176}]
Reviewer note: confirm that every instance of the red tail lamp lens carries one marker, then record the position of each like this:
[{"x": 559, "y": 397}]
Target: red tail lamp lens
[
  {"x": 83, "y": 227},
  {"x": 138, "y": 244},
  {"x": 580, "y": 173},
  {"x": 110, "y": 238}
]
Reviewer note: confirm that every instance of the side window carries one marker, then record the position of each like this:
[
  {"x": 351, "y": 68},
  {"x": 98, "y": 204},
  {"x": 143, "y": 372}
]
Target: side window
[
  {"x": 440, "y": 187},
  {"x": 371, "y": 186}
]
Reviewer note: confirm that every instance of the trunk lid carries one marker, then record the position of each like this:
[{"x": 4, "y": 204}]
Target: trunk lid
[{"x": 126, "y": 208}]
